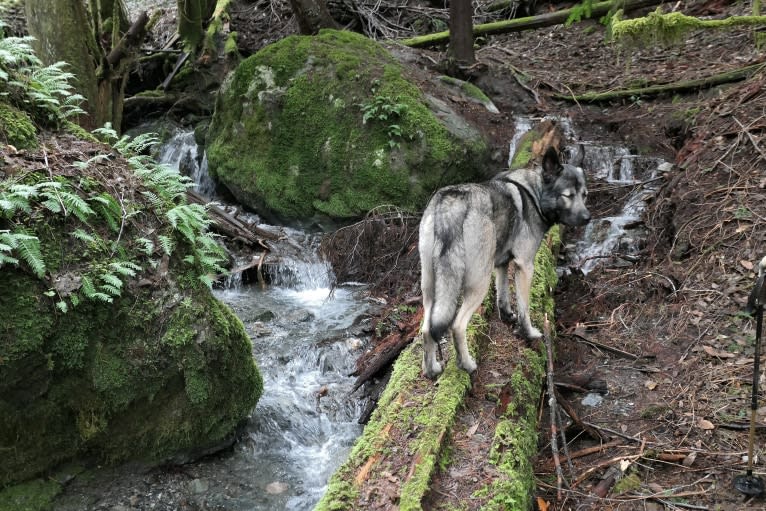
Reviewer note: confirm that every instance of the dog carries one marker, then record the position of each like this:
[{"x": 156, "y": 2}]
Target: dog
[{"x": 469, "y": 229}]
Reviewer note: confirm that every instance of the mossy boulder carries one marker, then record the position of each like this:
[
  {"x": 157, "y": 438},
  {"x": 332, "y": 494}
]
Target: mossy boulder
[
  {"x": 111, "y": 347},
  {"x": 321, "y": 129}
]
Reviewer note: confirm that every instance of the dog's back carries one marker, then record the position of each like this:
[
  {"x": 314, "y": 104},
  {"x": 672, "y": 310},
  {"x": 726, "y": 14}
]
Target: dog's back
[{"x": 456, "y": 233}]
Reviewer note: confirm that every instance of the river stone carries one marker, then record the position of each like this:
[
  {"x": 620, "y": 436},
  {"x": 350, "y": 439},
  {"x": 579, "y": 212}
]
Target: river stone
[
  {"x": 276, "y": 488},
  {"x": 319, "y": 130}
]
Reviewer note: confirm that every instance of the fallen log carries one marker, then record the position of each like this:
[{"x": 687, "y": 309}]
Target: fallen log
[
  {"x": 226, "y": 224},
  {"x": 681, "y": 86},
  {"x": 527, "y": 23}
]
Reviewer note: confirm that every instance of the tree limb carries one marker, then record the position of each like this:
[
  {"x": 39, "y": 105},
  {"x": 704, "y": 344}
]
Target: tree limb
[
  {"x": 528, "y": 23},
  {"x": 681, "y": 86}
]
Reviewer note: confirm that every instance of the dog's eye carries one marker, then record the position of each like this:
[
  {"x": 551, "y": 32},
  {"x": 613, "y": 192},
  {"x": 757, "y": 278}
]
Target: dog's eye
[{"x": 567, "y": 195}]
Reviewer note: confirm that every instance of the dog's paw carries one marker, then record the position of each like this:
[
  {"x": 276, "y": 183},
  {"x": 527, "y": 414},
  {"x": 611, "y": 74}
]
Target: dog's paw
[
  {"x": 432, "y": 370},
  {"x": 468, "y": 366},
  {"x": 507, "y": 316},
  {"x": 531, "y": 333}
]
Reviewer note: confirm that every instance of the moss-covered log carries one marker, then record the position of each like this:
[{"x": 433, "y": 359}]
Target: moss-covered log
[
  {"x": 527, "y": 23},
  {"x": 667, "y": 88},
  {"x": 403, "y": 443},
  {"x": 672, "y": 27}
]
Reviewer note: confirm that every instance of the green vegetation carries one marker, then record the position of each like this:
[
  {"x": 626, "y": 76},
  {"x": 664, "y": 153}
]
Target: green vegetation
[
  {"x": 327, "y": 127},
  {"x": 670, "y": 28},
  {"x": 111, "y": 345}
]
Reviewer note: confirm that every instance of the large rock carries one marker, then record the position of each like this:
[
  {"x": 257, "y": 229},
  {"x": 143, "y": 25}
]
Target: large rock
[
  {"x": 161, "y": 370},
  {"x": 314, "y": 129}
]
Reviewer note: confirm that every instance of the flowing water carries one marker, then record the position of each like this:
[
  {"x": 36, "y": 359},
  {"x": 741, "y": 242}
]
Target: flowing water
[
  {"x": 614, "y": 239},
  {"x": 307, "y": 332},
  {"x": 306, "y": 420}
]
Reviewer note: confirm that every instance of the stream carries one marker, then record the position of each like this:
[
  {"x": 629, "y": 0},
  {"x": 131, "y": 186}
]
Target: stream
[
  {"x": 305, "y": 340},
  {"x": 307, "y": 333}
]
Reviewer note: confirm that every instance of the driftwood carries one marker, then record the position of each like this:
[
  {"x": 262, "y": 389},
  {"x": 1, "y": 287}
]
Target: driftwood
[
  {"x": 527, "y": 23},
  {"x": 225, "y": 224},
  {"x": 386, "y": 350},
  {"x": 682, "y": 86}
]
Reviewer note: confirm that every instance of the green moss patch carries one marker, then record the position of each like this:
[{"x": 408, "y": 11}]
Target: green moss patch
[{"x": 328, "y": 127}]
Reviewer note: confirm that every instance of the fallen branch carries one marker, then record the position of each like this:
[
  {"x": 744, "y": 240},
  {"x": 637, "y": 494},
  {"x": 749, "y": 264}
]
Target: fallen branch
[
  {"x": 527, "y": 23},
  {"x": 552, "y": 407},
  {"x": 682, "y": 86}
]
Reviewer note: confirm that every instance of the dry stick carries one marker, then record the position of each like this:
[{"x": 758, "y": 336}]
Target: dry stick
[{"x": 552, "y": 406}]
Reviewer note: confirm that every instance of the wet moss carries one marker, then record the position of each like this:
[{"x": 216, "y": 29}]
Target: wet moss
[
  {"x": 16, "y": 127},
  {"x": 290, "y": 139},
  {"x": 35, "y": 495}
]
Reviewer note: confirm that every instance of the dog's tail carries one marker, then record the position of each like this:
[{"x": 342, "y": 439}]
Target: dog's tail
[{"x": 448, "y": 271}]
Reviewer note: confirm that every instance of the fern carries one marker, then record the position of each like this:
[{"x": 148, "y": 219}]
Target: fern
[
  {"x": 28, "y": 249},
  {"x": 83, "y": 236},
  {"x": 167, "y": 244},
  {"x": 147, "y": 245}
]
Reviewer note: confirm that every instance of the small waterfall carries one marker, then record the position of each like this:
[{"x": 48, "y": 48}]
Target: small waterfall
[
  {"x": 181, "y": 152},
  {"x": 609, "y": 239}
]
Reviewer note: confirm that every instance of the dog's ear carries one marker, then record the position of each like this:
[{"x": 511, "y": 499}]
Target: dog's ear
[{"x": 551, "y": 165}]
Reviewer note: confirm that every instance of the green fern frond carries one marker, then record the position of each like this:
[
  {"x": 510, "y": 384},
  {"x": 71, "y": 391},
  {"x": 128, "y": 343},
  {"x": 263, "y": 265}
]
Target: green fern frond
[
  {"x": 207, "y": 280},
  {"x": 124, "y": 268},
  {"x": 147, "y": 245},
  {"x": 111, "y": 279},
  {"x": 6, "y": 259},
  {"x": 83, "y": 236},
  {"x": 28, "y": 250},
  {"x": 166, "y": 243},
  {"x": 110, "y": 290},
  {"x": 62, "y": 306}
]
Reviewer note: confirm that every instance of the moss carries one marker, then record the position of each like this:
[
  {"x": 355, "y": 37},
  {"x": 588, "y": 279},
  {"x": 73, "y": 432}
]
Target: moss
[
  {"x": 17, "y": 128},
  {"x": 627, "y": 483},
  {"x": 35, "y": 495},
  {"x": 296, "y": 108},
  {"x": 670, "y": 28},
  {"x": 468, "y": 88}
]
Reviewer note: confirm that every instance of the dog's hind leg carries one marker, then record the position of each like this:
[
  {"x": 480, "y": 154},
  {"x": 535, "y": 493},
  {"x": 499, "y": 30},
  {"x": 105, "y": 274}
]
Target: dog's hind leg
[
  {"x": 431, "y": 366},
  {"x": 523, "y": 280},
  {"x": 476, "y": 286},
  {"x": 501, "y": 288}
]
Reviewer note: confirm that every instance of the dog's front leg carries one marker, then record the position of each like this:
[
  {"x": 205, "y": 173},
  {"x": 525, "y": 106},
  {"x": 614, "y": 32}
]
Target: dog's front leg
[
  {"x": 523, "y": 279},
  {"x": 503, "y": 299}
]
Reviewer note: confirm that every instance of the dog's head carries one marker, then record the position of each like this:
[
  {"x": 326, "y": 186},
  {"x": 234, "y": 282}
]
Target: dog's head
[{"x": 564, "y": 191}]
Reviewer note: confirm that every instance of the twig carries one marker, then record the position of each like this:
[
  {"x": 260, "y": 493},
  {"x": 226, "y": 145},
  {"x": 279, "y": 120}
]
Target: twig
[{"x": 552, "y": 406}]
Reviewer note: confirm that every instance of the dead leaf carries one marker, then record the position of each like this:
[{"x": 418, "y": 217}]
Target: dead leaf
[
  {"x": 650, "y": 384},
  {"x": 689, "y": 459},
  {"x": 542, "y": 505},
  {"x": 472, "y": 430},
  {"x": 656, "y": 488},
  {"x": 625, "y": 464},
  {"x": 717, "y": 353},
  {"x": 705, "y": 424},
  {"x": 746, "y": 264}
]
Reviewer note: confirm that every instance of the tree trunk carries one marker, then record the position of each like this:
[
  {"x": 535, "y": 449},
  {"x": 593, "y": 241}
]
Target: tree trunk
[
  {"x": 192, "y": 15},
  {"x": 312, "y": 15},
  {"x": 63, "y": 31},
  {"x": 461, "y": 35}
]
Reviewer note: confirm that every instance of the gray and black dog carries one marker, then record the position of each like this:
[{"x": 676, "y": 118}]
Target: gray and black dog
[{"x": 469, "y": 229}]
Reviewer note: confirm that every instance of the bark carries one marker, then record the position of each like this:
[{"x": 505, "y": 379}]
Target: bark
[
  {"x": 528, "y": 23},
  {"x": 191, "y": 17},
  {"x": 312, "y": 15},
  {"x": 58, "y": 28},
  {"x": 461, "y": 33},
  {"x": 98, "y": 53}
]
